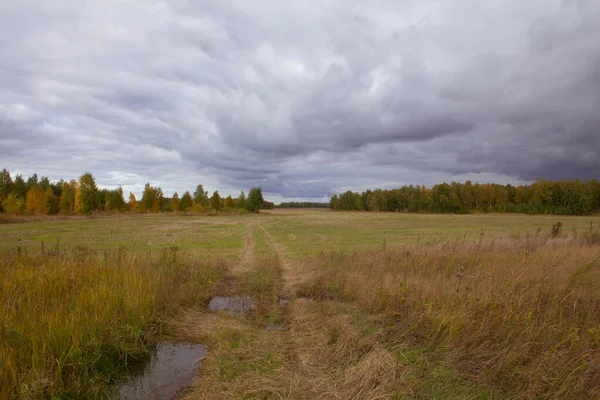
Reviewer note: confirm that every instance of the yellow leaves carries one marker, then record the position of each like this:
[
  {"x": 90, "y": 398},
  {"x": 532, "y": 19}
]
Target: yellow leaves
[
  {"x": 133, "y": 203},
  {"x": 36, "y": 201},
  {"x": 13, "y": 204},
  {"x": 77, "y": 204}
]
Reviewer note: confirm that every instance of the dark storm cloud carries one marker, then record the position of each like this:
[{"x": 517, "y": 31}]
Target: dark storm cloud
[{"x": 300, "y": 98}]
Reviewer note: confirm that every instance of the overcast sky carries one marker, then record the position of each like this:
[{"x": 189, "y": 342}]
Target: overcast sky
[{"x": 302, "y": 98}]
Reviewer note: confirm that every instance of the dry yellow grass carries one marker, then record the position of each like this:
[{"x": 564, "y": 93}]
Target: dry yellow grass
[{"x": 519, "y": 316}]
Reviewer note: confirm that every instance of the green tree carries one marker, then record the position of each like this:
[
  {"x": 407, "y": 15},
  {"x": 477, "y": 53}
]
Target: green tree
[
  {"x": 240, "y": 202},
  {"x": 117, "y": 201},
  {"x": 334, "y": 203},
  {"x": 88, "y": 194},
  {"x": 6, "y": 186},
  {"x": 151, "y": 199},
  {"x": 228, "y": 202},
  {"x": 255, "y": 200},
  {"x": 186, "y": 202},
  {"x": 19, "y": 186},
  {"x": 52, "y": 201},
  {"x": 215, "y": 201},
  {"x": 44, "y": 182},
  {"x": 201, "y": 196},
  {"x": 32, "y": 181}
]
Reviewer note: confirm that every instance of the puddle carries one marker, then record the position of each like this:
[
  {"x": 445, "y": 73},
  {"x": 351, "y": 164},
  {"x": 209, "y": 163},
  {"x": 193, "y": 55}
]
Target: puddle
[
  {"x": 173, "y": 367},
  {"x": 235, "y": 304}
]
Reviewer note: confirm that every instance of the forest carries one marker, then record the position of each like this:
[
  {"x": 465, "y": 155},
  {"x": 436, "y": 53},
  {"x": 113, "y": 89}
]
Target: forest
[
  {"x": 567, "y": 197},
  {"x": 40, "y": 196}
]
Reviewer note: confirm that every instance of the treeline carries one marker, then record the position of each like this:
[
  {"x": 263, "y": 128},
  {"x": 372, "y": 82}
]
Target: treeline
[
  {"x": 267, "y": 205},
  {"x": 569, "y": 197},
  {"x": 302, "y": 204},
  {"x": 40, "y": 196}
]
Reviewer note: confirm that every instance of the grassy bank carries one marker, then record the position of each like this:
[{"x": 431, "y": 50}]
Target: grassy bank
[{"x": 71, "y": 321}]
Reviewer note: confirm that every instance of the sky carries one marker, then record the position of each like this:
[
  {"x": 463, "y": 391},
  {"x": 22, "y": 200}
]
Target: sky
[{"x": 301, "y": 98}]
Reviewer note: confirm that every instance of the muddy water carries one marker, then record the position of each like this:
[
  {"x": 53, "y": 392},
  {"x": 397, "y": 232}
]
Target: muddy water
[
  {"x": 234, "y": 304},
  {"x": 173, "y": 367}
]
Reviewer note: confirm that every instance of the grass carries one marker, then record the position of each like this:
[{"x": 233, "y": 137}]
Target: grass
[
  {"x": 399, "y": 306},
  {"x": 303, "y": 233},
  {"x": 515, "y": 316},
  {"x": 220, "y": 235},
  {"x": 71, "y": 322}
]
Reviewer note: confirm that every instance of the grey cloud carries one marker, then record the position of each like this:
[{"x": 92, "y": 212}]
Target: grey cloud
[{"x": 300, "y": 98}]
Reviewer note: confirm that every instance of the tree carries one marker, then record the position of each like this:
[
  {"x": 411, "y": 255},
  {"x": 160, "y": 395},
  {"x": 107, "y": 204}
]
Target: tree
[
  {"x": 106, "y": 198},
  {"x": 267, "y": 205},
  {"x": 228, "y": 203},
  {"x": 13, "y": 204},
  {"x": 133, "y": 203},
  {"x": 151, "y": 199},
  {"x": 36, "y": 201},
  {"x": 19, "y": 186},
  {"x": 32, "y": 181},
  {"x": 186, "y": 202},
  {"x": 6, "y": 186},
  {"x": 215, "y": 201},
  {"x": 67, "y": 197},
  {"x": 44, "y": 183},
  {"x": 87, "y": 200},
  {"x": 52, "y": 201},
  {"x": 201, "y": 196},
  {"x": 255, "y": 200},
  {"x": 157, "y": 201},
  {"x": 334, "y": 204},
  {"x": 175, "y": 202},
  {"x": 240, "y": 202},
  {"x": 117, "y": 202}
]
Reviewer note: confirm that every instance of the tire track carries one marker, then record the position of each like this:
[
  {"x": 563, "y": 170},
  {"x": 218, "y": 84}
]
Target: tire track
[
  {"x": 247, "y": 258},
  {"x": 289, "y": 278}
]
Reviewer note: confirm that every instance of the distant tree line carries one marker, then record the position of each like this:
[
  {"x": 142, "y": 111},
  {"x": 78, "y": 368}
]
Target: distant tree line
[
  {"x": 267, "y": 205},
  {"x": 569, "y": 197},
  {"x": 301, "y": 204},
  {"x": 40, "y": 196}
]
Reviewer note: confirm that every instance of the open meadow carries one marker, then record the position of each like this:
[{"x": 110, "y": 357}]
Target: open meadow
[{"x": 344, "y": 305}]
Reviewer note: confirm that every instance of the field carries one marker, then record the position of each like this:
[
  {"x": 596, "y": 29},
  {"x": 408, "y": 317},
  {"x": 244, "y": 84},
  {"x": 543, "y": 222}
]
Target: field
[{"x": 377, "y": 305}]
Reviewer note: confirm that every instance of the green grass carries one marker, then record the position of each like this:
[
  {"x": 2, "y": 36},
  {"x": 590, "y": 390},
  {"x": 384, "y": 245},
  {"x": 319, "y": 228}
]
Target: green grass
[
  {"x": 221, "y": 235},
  {"x": 262, "y": 247},
  {"x": 303, "y": 233}
]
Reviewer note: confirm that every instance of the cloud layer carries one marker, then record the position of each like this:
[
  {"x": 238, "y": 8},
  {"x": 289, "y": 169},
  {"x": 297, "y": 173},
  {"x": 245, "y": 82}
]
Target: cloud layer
[{"x": 300, "y": 98}]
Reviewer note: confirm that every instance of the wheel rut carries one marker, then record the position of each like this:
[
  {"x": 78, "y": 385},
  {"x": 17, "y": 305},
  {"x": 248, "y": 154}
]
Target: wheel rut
[
  {"x": 248, "y": 254},
  {"x": 289, "y": 278}
]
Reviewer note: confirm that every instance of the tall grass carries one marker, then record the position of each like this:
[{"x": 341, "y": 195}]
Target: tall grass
[
  {"x": 71, "y": 321},
  {"x": 519, "y": 315}
]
